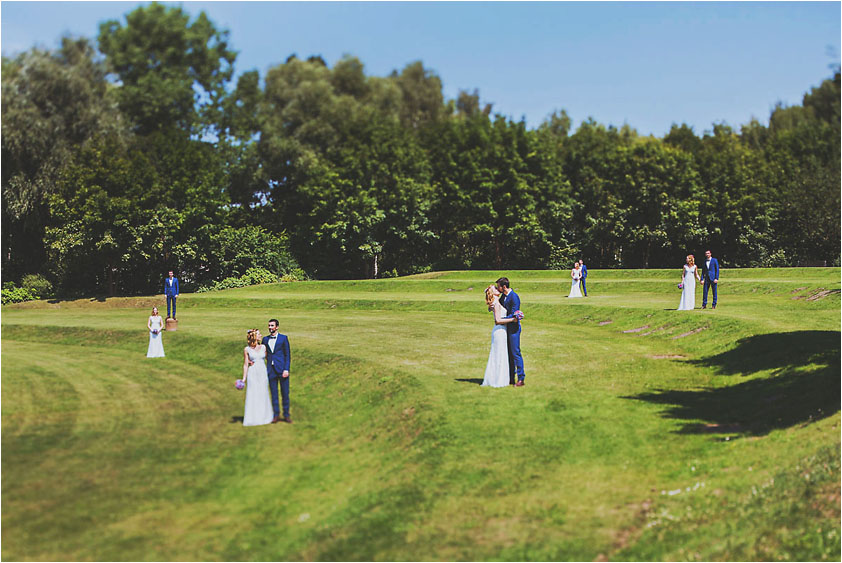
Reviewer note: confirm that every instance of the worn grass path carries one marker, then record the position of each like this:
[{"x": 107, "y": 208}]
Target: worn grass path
[{"x": 722, "y": 444}]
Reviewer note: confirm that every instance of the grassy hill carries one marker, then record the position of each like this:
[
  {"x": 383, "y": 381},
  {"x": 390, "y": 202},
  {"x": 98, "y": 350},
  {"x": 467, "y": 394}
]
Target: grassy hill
[{"x": 642, "y": 433}]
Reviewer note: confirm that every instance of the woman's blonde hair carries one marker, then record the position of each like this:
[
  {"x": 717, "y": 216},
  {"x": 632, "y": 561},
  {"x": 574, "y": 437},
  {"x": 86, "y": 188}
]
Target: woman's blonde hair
[
  {"x": 251, "y": 337},
  {"x": 691, "y": 259},
  {"x": 489, "y": 295}
]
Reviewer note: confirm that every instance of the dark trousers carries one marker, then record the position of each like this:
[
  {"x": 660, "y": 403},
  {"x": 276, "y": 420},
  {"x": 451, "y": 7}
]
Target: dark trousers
[
  {"x": 274, "y": 381},
  {"x": 709, "y": 284},
  {"x": 584, "y": 289},
  {"x": 171, "y": 299},
  {"x": 515, "y": 358}
]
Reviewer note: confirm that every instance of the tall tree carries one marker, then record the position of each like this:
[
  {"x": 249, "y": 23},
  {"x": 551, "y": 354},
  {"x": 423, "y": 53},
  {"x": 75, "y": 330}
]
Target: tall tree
[
  {"x": 172, "y": 71},
  {"x": 54, "y": 103}
]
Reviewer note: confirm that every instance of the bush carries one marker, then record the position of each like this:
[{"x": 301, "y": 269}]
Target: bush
[
  {"x": 294, "y": 275},
  {"x": 256, "y": 276},
  {"x": 13, "y": 294},
  {"x": 38, "y": 284}
]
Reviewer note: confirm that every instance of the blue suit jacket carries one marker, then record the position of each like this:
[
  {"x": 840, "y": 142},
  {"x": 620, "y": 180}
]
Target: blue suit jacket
[
  {"x": 584, "y": 271},
  {"x": 278, "y": 361},
  {"x": 512, "y": 303},
  {"x": 171, "y": 290},
  {"x": 711, "y": 273}
]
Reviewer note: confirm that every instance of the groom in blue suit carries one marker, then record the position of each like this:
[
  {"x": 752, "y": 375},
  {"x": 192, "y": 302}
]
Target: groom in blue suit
[
  {"x": 710, "y": 275},
  {"x": 277, "y": 367},
  {"x": 171, "y": 291},
  {"x": 511, "y": 302}
]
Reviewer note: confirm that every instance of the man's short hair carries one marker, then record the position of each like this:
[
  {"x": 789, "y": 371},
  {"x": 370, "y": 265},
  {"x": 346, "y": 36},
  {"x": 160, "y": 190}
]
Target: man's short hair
[
  {"x": 503, "y": 282},
  {"x": 274, "y": 321}
]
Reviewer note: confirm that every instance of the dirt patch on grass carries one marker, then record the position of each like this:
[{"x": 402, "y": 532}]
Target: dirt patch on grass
[
  {"x": 667, "y": 357},
  {"x": 815, "y": 295},
  {"x": 822, "y": 294},
  {"x": 657, "y": 330},
  {"x": 632, "y": 330},
  {"x": 603, "y": 323},
  {"x": 694, "y": 331}
]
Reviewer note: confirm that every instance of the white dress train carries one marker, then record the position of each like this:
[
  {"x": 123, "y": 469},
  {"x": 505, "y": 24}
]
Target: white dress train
[
  {"x": 688, "y": 294},
  {"x": 575, "y": 290},
  {"x": 497, "y": 368},
  {"x": 258, "y": 408},
  {"x": 156, "y": 344}
]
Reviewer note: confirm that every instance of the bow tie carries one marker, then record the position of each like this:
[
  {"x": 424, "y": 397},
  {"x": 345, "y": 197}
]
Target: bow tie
[{"x": 273, "y": 336}]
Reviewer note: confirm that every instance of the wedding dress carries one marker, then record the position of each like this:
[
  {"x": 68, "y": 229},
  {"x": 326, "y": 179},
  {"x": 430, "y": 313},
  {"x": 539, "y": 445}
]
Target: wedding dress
[
  {"x": 258, "y": 403},
  {"x": 575, "y": 290},
  {"x": 497, "y": 368},
  {"x": 688, "y": 294},
  {"x": 156, "y": 345}
]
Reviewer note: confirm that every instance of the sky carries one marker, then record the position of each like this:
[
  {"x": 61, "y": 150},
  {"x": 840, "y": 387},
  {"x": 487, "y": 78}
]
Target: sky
[{"x": 645, "y": 64}]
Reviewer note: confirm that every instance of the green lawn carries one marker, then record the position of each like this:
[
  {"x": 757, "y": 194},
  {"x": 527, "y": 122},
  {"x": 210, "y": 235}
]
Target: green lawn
[{"x": 642, "y": 433}]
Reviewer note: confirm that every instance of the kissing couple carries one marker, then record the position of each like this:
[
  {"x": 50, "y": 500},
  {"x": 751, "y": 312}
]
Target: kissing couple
[{"x": 505, "y": 362}]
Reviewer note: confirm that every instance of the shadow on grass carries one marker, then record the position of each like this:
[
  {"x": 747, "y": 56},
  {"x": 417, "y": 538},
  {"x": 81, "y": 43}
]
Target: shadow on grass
[
  {"x": 804, "y": 386},
  {"x": 236, "y": 419},
  {"x": 476, "y": 380}
]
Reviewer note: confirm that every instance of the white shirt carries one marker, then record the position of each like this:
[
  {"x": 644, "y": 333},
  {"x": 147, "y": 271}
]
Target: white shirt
[
  {"x": 707, "y": 263},
  {"x": 272, "y": 342}
]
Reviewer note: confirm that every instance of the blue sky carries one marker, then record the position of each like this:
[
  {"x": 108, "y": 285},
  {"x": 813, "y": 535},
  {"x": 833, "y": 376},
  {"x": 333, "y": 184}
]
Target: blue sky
[{"x": 645, "y": 64}]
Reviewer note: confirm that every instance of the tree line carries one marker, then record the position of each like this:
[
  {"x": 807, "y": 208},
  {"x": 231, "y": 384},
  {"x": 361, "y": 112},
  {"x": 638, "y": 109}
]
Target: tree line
[{"x": 138, "y": 152}]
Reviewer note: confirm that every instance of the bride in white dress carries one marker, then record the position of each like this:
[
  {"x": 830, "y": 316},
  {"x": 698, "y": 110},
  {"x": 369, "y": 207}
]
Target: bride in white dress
[
  {"x": 155, "y": 324},
  {"x": 576, "y": 274},
  {"x": 497, "y": 368},
  {"x": 258, "y": 408},
  {"x": 688, "y": 292}
]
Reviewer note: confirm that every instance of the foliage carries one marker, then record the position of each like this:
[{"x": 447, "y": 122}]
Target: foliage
[
  {"x": 121, "y": 164},
  {"x": 38, "y": 284},
  {"x": 14, "y": 294},
  {"x": 253, "y": 276}
]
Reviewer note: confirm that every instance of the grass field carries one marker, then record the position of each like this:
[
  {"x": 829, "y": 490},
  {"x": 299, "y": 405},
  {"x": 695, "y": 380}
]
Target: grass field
[{"x": 642, "y": 433}]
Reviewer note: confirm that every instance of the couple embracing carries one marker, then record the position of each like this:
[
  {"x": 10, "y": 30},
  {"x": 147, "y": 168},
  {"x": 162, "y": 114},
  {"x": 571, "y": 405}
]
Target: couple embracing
[{"x": 505, "y": 362}]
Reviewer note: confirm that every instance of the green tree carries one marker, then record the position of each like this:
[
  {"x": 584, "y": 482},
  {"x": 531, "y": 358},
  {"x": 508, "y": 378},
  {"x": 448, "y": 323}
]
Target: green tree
[
  {"x": 54, "y": 103},
  {"x": 172, "y": 71}
]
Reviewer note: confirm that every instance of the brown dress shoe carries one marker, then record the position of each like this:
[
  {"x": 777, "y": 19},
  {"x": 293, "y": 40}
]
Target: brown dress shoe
[
  {"x": 519, "y": 384},
  {"x": 287, "y": 419},
  {"x": 276, "y": 419}
]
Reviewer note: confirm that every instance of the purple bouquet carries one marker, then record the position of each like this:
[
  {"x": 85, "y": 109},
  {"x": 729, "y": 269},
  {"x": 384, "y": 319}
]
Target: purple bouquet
[
  {"x": 681, "y": 285},
  {"x": 519, "y": 315},
  {"x": 240, "y": 384}
]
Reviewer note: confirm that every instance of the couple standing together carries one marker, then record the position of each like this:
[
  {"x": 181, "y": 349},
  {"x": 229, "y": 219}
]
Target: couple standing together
[
  {"x": 505, "y": 363},
  {"x": 710, "y": 275},
  {"x": 266, "y": 367}
]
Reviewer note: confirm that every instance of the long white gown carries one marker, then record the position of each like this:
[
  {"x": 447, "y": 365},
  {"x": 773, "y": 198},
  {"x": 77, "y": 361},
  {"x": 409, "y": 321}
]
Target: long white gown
[
  {"x": 688, "y": 294},
  {"x": 156, "y": 344},
  {"x": 575, "y": 290},
  {"x": 497, "y": 368},
  {"x": 258, "y": 403}
]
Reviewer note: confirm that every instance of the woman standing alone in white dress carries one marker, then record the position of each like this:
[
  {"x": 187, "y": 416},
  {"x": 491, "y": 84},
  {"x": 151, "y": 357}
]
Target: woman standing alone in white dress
[
  {"x": 497, "y": 368},
  {"x": 688, "y": 285},
  {"x": 576, "y": 274},
  {"x": 258, "y": 408},
  {"x": 155, "y": 324}
]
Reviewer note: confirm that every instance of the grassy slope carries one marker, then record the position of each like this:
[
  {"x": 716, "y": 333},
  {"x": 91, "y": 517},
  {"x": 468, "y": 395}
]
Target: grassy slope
[{"x": 611, "y": 451}]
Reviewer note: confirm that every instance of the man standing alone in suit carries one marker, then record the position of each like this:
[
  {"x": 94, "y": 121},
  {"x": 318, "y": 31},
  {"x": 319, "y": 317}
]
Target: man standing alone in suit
[{"x": 171, "y": 291}]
